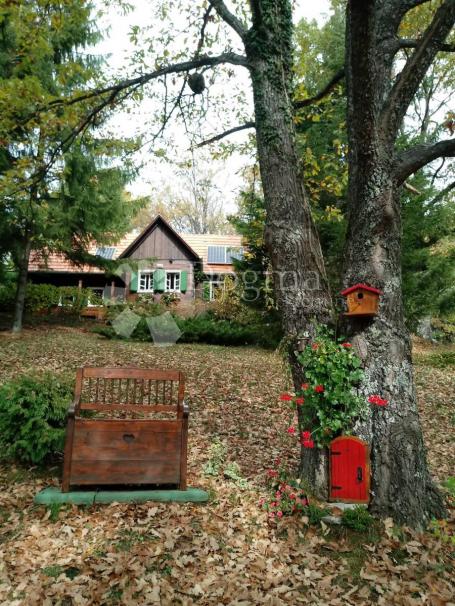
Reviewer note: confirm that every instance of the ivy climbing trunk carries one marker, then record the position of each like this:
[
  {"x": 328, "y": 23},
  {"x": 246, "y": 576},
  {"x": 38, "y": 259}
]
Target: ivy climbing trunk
[
  {"x": 401, "y": 484},
  {"x": 300, "y": 282},
  {"x": 22, "y": 267}
]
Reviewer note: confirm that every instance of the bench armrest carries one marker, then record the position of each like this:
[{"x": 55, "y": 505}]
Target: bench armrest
[{"x": 186, "y": 409}]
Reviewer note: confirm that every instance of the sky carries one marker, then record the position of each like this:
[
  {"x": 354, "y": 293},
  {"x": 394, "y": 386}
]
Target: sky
[{"x": 156, "y": 175}]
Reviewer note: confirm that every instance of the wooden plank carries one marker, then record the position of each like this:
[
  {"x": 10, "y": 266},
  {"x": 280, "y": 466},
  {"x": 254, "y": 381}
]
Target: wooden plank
[
  {"x": 145, "y": 408},
  {"x": 150, "y": 425},
  {"x": 126, "y": 445},
  {"x": 132, "y": 373},
  {"x": 124, "y": 472}
]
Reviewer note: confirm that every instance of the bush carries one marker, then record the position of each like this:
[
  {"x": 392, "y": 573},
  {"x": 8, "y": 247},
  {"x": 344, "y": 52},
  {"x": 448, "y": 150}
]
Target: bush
[
  {"x": 202, "y": 329},
  {"x": 33, "y": 417},
  {"x": 357, "y": 519}
]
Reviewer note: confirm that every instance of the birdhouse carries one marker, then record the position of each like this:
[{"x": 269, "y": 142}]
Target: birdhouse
[
  {"x": 349, "y": 470},
  {"x": 362, "y": 300}
]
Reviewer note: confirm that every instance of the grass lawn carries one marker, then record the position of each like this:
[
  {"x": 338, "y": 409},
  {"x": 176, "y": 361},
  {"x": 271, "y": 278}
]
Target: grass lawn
[{"x": 223, "y": 552}]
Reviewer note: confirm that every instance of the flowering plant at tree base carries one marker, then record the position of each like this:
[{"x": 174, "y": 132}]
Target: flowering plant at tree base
[
  {"x": 286, "y": 495},
  {"x": 331, "y": 403}
]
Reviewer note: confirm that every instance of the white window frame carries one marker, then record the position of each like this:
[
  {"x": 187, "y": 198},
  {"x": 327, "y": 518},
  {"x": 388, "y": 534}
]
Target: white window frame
[
  {"x": 173, "y": 271},
  {"x": 149, "y": 273},
  {"x": 218, "y": 283}
]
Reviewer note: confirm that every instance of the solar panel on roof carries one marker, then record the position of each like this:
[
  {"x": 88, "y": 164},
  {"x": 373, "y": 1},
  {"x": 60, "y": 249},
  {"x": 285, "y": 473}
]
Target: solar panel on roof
[{"x": 107, "y": 252}]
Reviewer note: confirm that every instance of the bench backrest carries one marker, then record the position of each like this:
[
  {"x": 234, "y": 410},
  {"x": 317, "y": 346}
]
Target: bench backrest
[{"x": 129, "y": 389}]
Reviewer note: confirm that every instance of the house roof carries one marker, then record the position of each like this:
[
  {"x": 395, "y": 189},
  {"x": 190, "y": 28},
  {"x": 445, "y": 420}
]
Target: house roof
[
  {"x": 196, "y": 245},
  {"x": 360, "y": 287}
]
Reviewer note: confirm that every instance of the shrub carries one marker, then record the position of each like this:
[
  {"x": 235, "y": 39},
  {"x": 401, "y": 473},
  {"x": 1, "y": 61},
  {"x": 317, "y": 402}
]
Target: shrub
[
  {"x": 33, "y": 417},
  {"x": 357, "y": 519}
]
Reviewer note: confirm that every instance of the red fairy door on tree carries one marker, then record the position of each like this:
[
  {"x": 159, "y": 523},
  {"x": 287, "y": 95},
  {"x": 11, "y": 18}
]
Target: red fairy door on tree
[{"x": 349, "y": 470}]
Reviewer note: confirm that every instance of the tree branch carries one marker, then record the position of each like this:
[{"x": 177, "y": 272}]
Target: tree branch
[
  {"x": 440, "y": 195},
  {"x": 411, "y": 160},
  {"x": 226, "y": 133},
  {"x": 323, "y": 92},
  {"x": 408, "y": 81},
  {"x": 175, "y": 68},
  {"x": 408, "y": 43},
  {"x": 229, "y": 18}
]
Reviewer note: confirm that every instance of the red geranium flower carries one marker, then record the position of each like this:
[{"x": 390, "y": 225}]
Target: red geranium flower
[
  {"x": 347, "y": 345},
  {"x": 306, "y": 435},
  {"x": 299, "y": 401},
  {"x": 375, "y": 399},
  {"x": 315, "y": 346},
  {"x": 286, "y": 397},
  {"x": 319, "y": 388},
  {"x": 272, "y": 473},
  {"x": 291, "y": 430},
  {"x": 279, "y": 514},
  {"x": 308, "y": 444},
  {"x": 305, "y": 386}
]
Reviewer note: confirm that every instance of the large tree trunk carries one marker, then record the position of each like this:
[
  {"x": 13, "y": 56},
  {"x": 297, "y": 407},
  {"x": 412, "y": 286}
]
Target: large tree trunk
[
  {"x": 401, "y": 485},
  {"x": 300, "y": 281},
  {"x": 19, "y": 303}
]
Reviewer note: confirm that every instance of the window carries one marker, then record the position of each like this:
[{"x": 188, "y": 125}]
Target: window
[
  {"x": 213, "y": 287},
  {"x": 97, "y": 299},
  {"x": 223, "y": 255},
  {"x": 107, "y": 252},
  {"x": 172, "y": 281},
  {"x": 145, "y": 281}
]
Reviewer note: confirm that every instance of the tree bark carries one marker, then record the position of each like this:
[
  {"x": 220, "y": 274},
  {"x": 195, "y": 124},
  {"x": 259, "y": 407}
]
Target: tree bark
[
  {"x": 300, "y": 281},
  {"x": 401, "y": 484},
  {"x": 19, "y": 303}
]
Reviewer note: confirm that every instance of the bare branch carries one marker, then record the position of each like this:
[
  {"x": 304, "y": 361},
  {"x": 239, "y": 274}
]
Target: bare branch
[
  {"x": 441, "y": 195},
  {"x": 205, "y": 20},
  {"x": 226, "y": 133},
  {"x": 408, "y": 43},
  {"x": 417, "y": 157},
  {"x": 412, "y": 189},
  {"x": 322, "y": 93},
  {"x": 175, "y": 68},
  {"x": 408, "y": 81},
  {"x": 229, "y": 17}
]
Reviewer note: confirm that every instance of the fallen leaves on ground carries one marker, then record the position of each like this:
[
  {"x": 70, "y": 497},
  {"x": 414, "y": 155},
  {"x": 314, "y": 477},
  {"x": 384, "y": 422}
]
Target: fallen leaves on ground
[{"x": 223, "y": 552}]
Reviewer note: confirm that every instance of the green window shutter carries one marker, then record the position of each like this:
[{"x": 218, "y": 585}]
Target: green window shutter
[
  {"x": 159, "y": 280},
  {"x": 133, "y": 282},
  {"x": 183, "y": 281},
  {"x": 206, "y": 291}
]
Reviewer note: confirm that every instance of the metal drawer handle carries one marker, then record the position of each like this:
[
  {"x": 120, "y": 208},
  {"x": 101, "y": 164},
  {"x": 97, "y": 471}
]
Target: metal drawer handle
[{"x": 128, "y": 437}]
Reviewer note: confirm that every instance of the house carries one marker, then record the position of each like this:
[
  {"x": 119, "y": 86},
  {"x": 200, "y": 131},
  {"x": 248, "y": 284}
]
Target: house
[{"x": 157, "y": 260}]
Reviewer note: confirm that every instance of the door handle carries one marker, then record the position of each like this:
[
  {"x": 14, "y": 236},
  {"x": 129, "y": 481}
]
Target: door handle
[
  {"x": 128, "y": 437},
  {"x": 359, "y": 474}
]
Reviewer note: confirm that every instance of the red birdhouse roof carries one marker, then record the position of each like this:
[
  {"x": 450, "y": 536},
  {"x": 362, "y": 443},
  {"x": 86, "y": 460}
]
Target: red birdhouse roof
[{"x": 360, "y": 287}]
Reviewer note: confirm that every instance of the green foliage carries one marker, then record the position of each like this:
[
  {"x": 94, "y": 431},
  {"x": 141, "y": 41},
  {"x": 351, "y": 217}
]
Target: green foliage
[
  {"x": 332, "y": 374},
  {"x": 169, "y": 299},
  {"x": 71, "y": 299},
  {"x": 442, "y": 360},
  {"x": 449, "y": 484},
  {"x": 357, "y": 519},
  {"x": 33, "y": 417},
  {"x": 217, "y": 455}
]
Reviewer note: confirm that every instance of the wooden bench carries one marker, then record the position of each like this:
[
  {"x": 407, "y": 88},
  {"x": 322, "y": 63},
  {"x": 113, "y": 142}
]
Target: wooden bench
[
  {"x": 99, "y": 313},
  {"x": 117, "y": 441}
]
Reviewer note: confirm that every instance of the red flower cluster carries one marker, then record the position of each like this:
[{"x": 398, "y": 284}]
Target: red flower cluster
[
  {"x": 375, "y": 399},
  {"x": 319, "y": 389},
  {"x": 286, "y": 397},
  {"x": 305, "y": 386},
  {"x": 315, "y": 346},
  {"x": 347, "y": 345},
  {"x": 299, "y": 401},
  {"x": 307, "y": 443},
  {"x": 291, "y": 430},
  {"x": 306, "y": 435}
]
